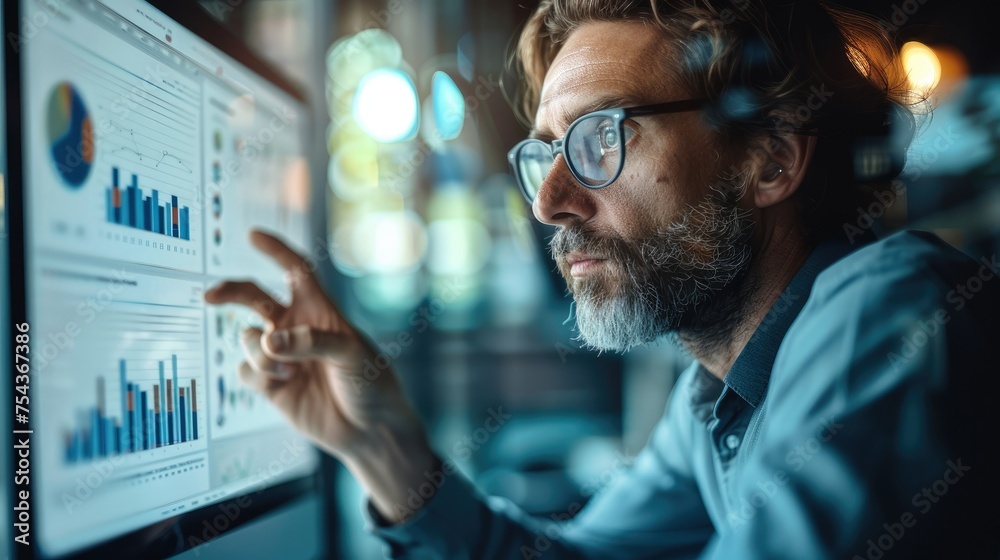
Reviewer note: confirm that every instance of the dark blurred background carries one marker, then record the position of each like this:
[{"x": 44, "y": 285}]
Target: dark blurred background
[{"x": 435, "y": 254}]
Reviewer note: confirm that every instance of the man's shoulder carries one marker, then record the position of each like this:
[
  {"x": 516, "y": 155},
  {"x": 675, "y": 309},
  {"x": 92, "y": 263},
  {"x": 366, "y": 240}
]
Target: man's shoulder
[
  {"x": 878, "y": 294},
  {"x": 889, "y": 311},
  {"x": 905, "y": 258}
]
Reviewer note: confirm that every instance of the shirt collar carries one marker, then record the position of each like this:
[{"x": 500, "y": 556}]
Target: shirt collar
[{"x": 751, "y": 372}]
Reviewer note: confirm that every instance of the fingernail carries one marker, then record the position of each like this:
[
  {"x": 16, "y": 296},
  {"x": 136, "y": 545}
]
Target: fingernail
[{"x": 278, "y": 340}]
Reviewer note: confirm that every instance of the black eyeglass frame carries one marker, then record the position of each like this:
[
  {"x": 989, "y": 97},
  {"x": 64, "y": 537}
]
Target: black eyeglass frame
[{"x": 618, "y": 117}]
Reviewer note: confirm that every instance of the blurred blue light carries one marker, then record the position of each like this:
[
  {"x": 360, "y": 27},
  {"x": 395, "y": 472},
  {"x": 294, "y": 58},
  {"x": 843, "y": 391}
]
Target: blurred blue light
[
  {"x": 386, "y": 105},
  {"x": 449, "y": 106}
]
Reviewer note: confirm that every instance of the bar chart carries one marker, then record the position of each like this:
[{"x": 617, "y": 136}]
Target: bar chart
[
  {"x": 130, "y": 383},
  {"x": 165, "y": 414},
  {"x": 123, "y": 393},
  {"x": 135, "y": 193},
  {"x": 129, "y": 207}
]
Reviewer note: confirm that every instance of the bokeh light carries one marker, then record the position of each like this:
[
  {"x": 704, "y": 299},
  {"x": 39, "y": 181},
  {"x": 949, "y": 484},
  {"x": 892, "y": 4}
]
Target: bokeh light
[
  {"x": 922, "y": 67},
  {"x": 449, "y": 107},
  {"x": 354, "y": 169},
  {"x": 386, "y": 106},
  {"x": 350, "y": 59},
  {"x": 389, "y": 242}
]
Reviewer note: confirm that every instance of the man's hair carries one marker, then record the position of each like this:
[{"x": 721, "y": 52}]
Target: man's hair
[{"x": 765, "y": 66}]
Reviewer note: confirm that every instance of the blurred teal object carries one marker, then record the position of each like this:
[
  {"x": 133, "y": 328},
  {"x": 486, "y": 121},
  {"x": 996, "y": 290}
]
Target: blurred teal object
[{"x": 449, "y": 107}]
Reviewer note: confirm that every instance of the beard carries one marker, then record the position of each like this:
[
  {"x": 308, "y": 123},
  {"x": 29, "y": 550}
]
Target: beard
[{"x": 689, "y": 279}]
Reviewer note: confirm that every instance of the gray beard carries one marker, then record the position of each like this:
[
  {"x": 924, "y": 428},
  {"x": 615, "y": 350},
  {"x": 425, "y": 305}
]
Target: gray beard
[{"x": 689, "y": 279}]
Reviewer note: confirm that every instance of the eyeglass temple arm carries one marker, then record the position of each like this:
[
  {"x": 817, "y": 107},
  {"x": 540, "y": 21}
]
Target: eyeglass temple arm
[
  {"x": 668, "y": 107},
  {"x": 691, "y": 105}
]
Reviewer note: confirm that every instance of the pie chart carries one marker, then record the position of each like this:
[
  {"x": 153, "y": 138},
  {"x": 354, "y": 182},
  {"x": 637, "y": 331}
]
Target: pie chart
[{"x": 70, "y": 135}]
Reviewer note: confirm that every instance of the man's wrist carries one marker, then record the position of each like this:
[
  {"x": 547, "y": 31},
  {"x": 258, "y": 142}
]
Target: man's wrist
[{"x": 391, "y": 466}]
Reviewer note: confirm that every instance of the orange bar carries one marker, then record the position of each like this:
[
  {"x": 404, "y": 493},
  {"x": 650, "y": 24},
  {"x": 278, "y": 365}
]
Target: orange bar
[
  {"x": 194, "y": 398},
  {"x": 156, "y": 399}
]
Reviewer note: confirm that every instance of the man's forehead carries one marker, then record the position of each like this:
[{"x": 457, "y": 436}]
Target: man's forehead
[{"x": 600, "y": 64}]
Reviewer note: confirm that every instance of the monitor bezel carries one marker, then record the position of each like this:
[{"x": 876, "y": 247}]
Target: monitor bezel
[{"x": 160, "y": 539}]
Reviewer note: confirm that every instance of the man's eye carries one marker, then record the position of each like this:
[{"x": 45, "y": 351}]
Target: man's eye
[{"x": 608, "y": 135}]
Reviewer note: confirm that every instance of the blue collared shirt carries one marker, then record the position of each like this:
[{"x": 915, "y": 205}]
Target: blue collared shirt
[{"x": 852, "y": 425}]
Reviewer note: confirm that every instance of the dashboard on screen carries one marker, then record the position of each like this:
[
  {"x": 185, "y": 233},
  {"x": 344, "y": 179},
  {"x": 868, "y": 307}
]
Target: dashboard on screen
[{"x": 148, "y": 155}]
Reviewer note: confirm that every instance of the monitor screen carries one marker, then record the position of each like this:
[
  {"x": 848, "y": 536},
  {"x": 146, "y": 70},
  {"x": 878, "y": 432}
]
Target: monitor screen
[{"x": 148, "y": 155}]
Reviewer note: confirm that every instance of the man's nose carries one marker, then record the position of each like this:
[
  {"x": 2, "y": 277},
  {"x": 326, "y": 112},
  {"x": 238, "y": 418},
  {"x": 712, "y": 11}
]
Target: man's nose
[{"x": 561, "y": 200}]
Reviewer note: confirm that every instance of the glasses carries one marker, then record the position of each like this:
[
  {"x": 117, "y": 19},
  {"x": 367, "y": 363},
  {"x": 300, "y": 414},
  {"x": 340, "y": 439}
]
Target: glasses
[{"x": 594, "y": 147}]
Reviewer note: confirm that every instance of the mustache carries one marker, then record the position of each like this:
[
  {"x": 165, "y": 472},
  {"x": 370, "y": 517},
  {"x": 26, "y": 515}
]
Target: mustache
[{"x": 582, "y": 239}]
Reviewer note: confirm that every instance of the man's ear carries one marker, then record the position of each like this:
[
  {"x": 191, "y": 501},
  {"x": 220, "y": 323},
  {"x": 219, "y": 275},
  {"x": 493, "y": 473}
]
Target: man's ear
[{"x": 784, "y": 167}]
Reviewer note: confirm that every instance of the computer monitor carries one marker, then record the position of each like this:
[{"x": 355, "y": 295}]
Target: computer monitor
[
  {"x": 6, "y": 544},
  {"x": 151, "y": 142}
]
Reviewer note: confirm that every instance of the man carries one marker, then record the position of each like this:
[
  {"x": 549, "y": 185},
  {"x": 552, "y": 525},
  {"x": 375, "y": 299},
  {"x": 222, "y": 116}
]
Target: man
[{"x": 703, "y": 165}]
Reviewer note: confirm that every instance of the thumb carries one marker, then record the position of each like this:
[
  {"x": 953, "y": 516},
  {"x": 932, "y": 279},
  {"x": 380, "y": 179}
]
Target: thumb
[{"x": 304, "y": 342}]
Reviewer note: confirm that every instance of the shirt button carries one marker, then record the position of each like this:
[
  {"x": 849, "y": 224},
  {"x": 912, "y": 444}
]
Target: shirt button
[{"x": 732, "y": 441}]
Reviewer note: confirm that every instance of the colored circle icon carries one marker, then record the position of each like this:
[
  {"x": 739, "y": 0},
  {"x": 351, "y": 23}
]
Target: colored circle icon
[{"x": 70, "y": 134}]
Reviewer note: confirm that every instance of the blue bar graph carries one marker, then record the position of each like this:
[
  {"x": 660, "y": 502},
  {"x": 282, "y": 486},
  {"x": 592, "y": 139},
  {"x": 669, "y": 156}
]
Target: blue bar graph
[
  {"x": 129, "y": 207},
  {"x": 177, "y": 428},
  {"x": 145, "y": 422},
  {"x": 163, "y": 415},
  {"x": 183, "y": 418},
  {"x": 162, "y": 406}
]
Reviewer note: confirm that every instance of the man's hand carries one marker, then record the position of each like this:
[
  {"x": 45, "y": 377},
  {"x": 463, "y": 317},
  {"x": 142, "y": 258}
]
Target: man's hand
[{"x": 309, "y": 362}]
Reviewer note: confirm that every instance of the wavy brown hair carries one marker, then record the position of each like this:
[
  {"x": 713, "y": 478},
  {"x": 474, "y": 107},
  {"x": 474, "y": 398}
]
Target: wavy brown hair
[{"x": 766, "y": 67}]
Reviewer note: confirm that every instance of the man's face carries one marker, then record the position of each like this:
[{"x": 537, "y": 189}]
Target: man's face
[{"x": 647, "y": 254}]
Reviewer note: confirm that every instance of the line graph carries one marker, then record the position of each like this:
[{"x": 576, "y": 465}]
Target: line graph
[
  {"x": 146, "y": 122},
  {"x": 148, "y": 125},
  {"x": 146, "y": 153}
]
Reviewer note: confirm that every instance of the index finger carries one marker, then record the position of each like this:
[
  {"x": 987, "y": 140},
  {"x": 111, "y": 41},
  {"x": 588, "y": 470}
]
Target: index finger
[
  {"x": 297, "y": 267},
  {"x": 248, "y": 294}
]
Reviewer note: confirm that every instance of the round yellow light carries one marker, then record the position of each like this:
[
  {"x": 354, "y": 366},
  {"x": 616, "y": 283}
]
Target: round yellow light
[{"x": 923, "y": 69}]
